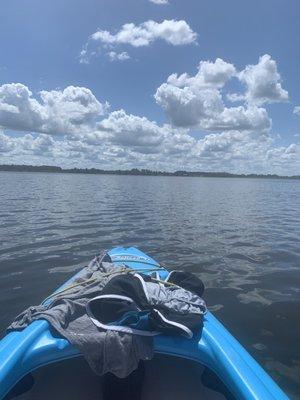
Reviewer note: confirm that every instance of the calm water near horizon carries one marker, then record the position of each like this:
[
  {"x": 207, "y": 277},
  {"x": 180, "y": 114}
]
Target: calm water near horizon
[{"x": 241, "y": 236}]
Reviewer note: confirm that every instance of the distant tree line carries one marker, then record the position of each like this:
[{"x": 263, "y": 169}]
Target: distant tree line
[{"x": 136, "y": 171}]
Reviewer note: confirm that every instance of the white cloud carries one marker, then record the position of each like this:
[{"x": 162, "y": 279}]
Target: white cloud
[
  {"x": 120, "y": 137},
  {"x": 130, "y": 130},
  {"x": 226, "y": 149},
  {"x": 196, "y": 101},
  {"x": 159, "y": 1},
  {"x": 237, "y": 139},
  {"x": 113, "y": 56},
  {"x": 235, "y": 97},
  {"x": 172, "y": 31},
  {"x": 18, "y": 109},
  {"x": 6, "y": 143},
  {"x": 140, "y": 134},
  {"x": 84, "y": 56},
  {"x": 263, "y": 82},
  {"x": 296, "y": 110},
  {"x": 239, "y": 118},
  {"x": 27, "y": 144},
  {"x": 70, "y": 110},
  {"x": 58, "y": 112},
  {"x": 285, "y": 157},
  {"x": 209, "y": 75},
  {"x": 188, "y": 106},
  {"x": 169, "y": 150},
  {"x": 37, "y": 145}
]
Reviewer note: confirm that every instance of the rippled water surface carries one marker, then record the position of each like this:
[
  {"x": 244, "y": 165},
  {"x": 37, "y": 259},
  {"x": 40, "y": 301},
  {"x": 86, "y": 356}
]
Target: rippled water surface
[{"x": 240, "y": 235}]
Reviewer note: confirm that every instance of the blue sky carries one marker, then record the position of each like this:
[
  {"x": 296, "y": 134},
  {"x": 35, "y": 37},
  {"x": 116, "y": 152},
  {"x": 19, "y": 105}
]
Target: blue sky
[{"x": 186, "y": 122}]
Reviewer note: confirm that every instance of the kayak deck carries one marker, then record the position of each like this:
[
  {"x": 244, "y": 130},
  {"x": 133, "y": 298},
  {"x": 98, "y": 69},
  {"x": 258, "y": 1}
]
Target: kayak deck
[
  {"x": 214, "y": 347},
  {"x": 165, "y": 378}
]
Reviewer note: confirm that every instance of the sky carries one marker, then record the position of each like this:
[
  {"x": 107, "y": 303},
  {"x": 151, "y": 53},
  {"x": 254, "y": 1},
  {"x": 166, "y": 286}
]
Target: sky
[{"x": 164, "y": 85}]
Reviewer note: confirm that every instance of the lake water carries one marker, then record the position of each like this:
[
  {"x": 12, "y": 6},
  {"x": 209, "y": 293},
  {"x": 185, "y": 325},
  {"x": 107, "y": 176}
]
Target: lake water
[{"x": 240, "y": 235}]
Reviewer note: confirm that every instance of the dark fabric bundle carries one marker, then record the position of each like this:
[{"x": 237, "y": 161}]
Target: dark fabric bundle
[
  {"x": 187, "y": 280},
  {"x": 135, "y": 304}
]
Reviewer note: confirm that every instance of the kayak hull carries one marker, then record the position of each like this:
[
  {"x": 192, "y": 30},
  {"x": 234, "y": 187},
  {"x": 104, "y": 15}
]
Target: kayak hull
[{"x": 214, "y": 347}]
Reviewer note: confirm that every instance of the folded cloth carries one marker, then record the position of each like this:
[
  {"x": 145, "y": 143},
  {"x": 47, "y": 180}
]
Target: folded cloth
[{"x": 105, "y": 351}]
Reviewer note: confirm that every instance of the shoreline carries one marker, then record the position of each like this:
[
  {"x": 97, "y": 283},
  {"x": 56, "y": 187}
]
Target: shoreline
[{"x": 137, "y": 172}]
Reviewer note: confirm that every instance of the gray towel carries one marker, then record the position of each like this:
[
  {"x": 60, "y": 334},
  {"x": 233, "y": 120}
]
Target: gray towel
[{"x": 105, "y": 351}]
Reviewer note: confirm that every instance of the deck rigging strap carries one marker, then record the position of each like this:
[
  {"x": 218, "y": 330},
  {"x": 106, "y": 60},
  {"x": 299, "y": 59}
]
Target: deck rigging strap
[{"x": 122, "y": 270}]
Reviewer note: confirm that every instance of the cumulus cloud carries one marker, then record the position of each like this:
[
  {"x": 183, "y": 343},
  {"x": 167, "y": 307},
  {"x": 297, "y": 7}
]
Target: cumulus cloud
[
  {"x": 238, "y": 118},
  {"x": 263, "y": 82},
  {"x": 244, "y": 153},
  {"x": 196, "y": 101},
  {"x": 284, "y": 158},
  {"x": 235, "y": 139},
  {"x": 226, "y": 151},
  {"x": 131, "y": 130},
  {"x": 56, "y": 111},
  {"x": 27, "y": 144},
  {"x": 176, "y": 33},
  {"x": 172, "y": 31},
  {"x": 296, "y": 110},
  {"x": 230, "y": 148},
  {"x": 139, "y": 134},
  {"x": 18, "y": 109},
  {"x": 209, "y": 75},
  {"x": 6, "y": 143},
  {"x": 118, "y": 138}
]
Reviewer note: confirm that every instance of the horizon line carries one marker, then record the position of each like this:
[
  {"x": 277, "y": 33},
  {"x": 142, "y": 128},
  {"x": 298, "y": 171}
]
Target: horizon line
[{"x": 137, "y": 171}]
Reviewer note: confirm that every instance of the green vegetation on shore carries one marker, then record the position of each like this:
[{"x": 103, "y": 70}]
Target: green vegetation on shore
[{"x": 135, "y": 171}]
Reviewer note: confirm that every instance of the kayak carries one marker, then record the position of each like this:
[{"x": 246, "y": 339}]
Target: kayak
[{"x": 176, "y": 369}]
